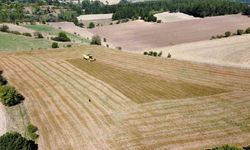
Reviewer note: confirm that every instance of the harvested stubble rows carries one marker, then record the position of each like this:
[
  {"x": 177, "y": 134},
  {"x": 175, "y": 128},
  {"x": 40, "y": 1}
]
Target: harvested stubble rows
[{"x": 57, "y": 97}]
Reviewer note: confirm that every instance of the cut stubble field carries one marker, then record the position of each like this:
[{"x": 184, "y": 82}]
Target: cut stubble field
[{"x": 58, "y": 86}]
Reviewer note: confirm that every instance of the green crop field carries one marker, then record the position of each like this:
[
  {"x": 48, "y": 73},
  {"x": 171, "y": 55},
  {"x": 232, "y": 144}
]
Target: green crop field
[
  {"x": 12, "y": 42},
  {"x": 54, "y": 32}
]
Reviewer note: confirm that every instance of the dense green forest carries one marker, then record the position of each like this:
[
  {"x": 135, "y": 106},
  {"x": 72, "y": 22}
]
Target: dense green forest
[
  {"x": 197, "y": 8},
  {"x": 14, "y": 11}
]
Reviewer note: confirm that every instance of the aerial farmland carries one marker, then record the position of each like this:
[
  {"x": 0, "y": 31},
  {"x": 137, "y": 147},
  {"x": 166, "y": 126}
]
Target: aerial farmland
[{"x": 172, "y": 77}]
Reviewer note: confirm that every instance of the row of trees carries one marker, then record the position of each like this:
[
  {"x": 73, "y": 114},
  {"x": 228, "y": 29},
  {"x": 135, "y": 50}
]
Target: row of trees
[
  {"x": 228, "y": 33},
  {"x": 11, "y": 12},
  {"x": 146, "y": 10}
]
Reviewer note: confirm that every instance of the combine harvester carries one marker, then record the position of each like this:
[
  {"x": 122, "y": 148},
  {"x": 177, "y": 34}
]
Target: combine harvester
[{"x": 88, "y": 57}]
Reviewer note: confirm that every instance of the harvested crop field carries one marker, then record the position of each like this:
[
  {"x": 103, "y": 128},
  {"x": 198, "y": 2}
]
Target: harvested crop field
[
  {"x": 139, "y": 35},
  {"x": 58, "y": 89},
  {"x": 155, "y": 87},
  {"x": 232, "y": 51}
]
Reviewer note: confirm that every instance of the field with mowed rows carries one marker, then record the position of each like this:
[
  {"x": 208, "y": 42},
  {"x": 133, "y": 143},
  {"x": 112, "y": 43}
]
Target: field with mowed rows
[{"x": 129, "y": 101}]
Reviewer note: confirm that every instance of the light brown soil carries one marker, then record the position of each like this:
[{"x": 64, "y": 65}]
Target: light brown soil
[
  {"x": 3, "y": 123},
  {"x": 166, "y": 17},
  {"x": 57, "y": 98},
  {"x": 140, "y": 35},
  {"x": 232, "y": 51}
]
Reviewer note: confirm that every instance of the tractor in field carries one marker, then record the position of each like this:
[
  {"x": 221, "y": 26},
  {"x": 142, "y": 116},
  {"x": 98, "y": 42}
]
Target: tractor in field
[{"x": 88, "y": 57}]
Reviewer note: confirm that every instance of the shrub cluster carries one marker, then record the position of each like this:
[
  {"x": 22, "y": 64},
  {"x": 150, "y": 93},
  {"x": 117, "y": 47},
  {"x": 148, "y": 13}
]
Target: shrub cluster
[
  {"x": 91, "y": 25},
  {"x": 228, "y": 34},
  {"x": 152, "y": 53},
  {"x": 27, "y": 34},
  {"x": 3, "y": 81},
  {"x": 31, "y": 132},
  {"x": 62, "y": 37},
  {"x": 8, "y": 94},
  {"x": 38, "y": 35},
  {"x": 96, "y": 40},
  {"x": 5, "y": 28},
  {"x": 230, "y": 147},
  {"x": 15, "y": 141},
  {"x": 54, "y": 45}
]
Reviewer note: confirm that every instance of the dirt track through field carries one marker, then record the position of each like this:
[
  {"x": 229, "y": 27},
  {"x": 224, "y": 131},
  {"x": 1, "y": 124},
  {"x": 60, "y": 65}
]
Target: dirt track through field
[
  {"x": 139, "y": 35},
  {"x": 57, "y": 99}
]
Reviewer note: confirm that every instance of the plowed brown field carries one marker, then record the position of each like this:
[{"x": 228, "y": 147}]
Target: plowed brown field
[
  {"x": 58, "y": 87},
  {"x": 139, "y": 35}
]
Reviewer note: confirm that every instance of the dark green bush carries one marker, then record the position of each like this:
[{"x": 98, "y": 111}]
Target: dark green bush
[
  {"x": 69, "y": 45},
  {"x": 4, "y": 28},
  {"x": 160, "y": 54},
  {"x": 62, "y": 37},
  {"x": 38, "y": 35},
  {"x": 227, "y": 34},
  {"x": 3, "y": 81},
  {"x": 27, "y": 34},
  {"x": 15, "y": 141},
  {"x": 240, "y": 32},
  {"x": 227, "y": 147},
  {"x": 155, "y": 54},
  {"x": 54, "y": 45},
  {"x": 15, "y": 32},
  {"x": 169, "y": 55},
  {"x": 96, "y": 40},
  {"x": 145, "y": 53},
  {"x": 248, "y": 30},
  {"x": 159, "y": 21},
  {"x": 31, "y": 131},
  {"x": 91, "y": 25},
  {"x": 9, "y": 96}
]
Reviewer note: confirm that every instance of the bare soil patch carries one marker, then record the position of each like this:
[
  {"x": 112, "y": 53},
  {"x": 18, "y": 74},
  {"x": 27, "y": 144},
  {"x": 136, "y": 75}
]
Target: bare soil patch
[
  {"x": 140, "y": 35},
  {"x": 166, "y": 17},
  {"x": 3, "y": 121}
]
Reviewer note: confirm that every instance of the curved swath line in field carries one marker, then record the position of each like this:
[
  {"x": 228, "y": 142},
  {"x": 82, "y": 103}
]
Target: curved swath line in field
[
  {"x": 71, "y": 109},
  {"x": 68, "y": 92},
  {"x": 75, "y": 96},
  {"x": 122, "y": 100},
  {"x": 89, "y": 79},
  {"x": 97, "y": 95},
  {"x": 20, "y": 76},
  {"x": 44, "y": 129},
  {"x": 41, "y": 95},
  {"x": 51, "y": 104}
]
